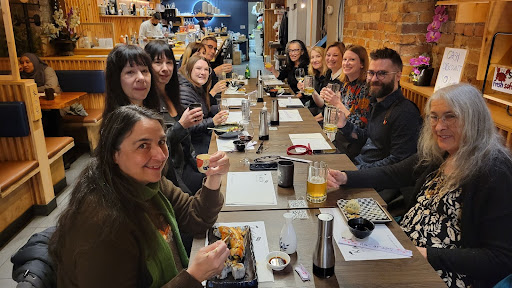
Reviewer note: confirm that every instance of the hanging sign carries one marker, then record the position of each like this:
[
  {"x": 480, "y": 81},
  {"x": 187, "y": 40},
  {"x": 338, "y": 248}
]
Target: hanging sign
[
  {"x": 502, "y": 80},
  {"x": 451, "y": 67}
]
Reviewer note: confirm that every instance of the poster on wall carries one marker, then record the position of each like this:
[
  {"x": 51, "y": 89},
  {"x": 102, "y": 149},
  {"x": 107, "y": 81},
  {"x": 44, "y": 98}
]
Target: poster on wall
[
  {"x": 451, "y": 67},
  {"x": 502, "y": 80}
]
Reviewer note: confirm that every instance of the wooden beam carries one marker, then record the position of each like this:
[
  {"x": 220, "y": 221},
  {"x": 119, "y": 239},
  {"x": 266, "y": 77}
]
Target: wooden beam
[
  {"x": 11, "y": 45},
  {"x": 472, "y": 13}
]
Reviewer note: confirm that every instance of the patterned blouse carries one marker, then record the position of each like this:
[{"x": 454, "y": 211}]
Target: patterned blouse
[
  {"x": 435, "y": 222},
  {"x": 356, "y": 99}
]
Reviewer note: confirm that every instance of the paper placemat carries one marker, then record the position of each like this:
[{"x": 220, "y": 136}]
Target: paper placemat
[
  {"x": 250, "y": 188},
  {"x": 315, "y": 140}
]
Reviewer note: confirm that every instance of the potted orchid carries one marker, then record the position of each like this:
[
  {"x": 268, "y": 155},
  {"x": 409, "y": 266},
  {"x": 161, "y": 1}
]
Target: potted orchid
[
  {"x": 440, "y": 17},
  {"x": 62, "y": 32},
  {"x": 422, "y": 71}
]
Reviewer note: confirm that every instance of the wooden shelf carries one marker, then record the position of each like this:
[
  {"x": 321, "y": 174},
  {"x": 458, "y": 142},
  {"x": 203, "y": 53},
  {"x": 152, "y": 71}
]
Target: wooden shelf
[
  {"x": 203, "y": 16},
  {"x": 123, "y": 16},
  {"x": 500, "y": 98}
]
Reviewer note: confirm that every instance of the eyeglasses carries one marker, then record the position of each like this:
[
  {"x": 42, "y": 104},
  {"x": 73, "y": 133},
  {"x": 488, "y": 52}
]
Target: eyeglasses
[
  {"x": 294, "y": 50},
  {"x": 380, "y": 74},
  {"x": 212, "y": 47},
  {"x": 447, "y": 119}
]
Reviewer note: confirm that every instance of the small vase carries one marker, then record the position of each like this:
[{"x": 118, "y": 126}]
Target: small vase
[
  {"x": 425, "y": 77},
  {"x": 64, "y": 47},
  {"x": 288, "y": 238}
]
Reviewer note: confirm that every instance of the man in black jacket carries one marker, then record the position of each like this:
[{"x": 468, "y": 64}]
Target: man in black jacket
[{"x": 394, "y": 123}]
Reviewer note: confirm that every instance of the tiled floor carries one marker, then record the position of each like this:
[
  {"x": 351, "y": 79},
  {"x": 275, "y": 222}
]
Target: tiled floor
[{"x": 40, "y": 223}]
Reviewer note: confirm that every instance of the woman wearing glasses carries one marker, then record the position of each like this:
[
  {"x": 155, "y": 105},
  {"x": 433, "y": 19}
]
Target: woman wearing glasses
[
  {"x": 297, "y": 58},
  {"x": 192, "y": 76},
  {"x": 461, "y": 203}
]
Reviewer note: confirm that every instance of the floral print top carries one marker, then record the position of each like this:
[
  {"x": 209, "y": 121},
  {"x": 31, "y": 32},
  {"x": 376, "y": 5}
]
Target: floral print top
[
  {"x": 435, "y": 222},
  {"x": 356, "y": 99}
]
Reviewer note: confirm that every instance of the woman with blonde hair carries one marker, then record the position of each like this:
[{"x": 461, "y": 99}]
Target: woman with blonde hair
[
  {"x": 461, "y": 202},
  {"x": 193, "y": 48},
  {"x": 318, "y": 69},
  {"x": 192, "y": 77}
]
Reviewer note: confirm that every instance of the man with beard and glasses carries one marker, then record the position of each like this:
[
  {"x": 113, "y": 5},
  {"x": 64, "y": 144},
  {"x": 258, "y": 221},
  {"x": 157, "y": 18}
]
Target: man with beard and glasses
[{"x": 394, "y": 122}]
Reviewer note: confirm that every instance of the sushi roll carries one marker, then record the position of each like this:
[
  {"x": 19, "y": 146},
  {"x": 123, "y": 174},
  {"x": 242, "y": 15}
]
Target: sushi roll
[
  {"x": 224, "y": 273},
  {"x": 238, "y": 271}
]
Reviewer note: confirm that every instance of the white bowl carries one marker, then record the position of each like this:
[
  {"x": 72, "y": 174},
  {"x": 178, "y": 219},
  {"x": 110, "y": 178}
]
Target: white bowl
[{"x": 281, "y": 255}]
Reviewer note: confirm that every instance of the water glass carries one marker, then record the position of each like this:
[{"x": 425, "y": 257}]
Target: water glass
[
  {"x": 299, "y": 74},
  {"x": 253, "y": 98},
  {"x": 228, "y": 61},
  {"x": 309, "y": 83},
  {"x": 330, "y": 121},
  {"x": 316, "y": 190},
  {"x": 335, "y": 87},
  {"x": 246, "y": 110}
]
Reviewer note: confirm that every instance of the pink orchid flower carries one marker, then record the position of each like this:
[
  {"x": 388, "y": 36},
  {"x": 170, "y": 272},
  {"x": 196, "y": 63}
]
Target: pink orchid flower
[
  {"x": 424, "y": 60},
  {"x": 416, "y": 71},
  {"x": 433, "y": 36},
  {"x": 434, "y": 26},
  {"x": 442, "y": 18},
  {"x": 414, "y": 62},
  {"x": 440, "y": 10}
]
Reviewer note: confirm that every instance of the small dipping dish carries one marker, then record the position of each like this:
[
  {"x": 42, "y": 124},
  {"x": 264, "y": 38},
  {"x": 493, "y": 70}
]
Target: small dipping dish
[
  {"x": 277, "y": 260},
  {"x": 360, "y": 227},
  {"x": 240, "y": 145}
]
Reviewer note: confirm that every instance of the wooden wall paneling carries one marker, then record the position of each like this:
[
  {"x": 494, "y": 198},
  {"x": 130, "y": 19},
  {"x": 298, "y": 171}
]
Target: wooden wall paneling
[
  {"x": 98, "y": 30},
  {"x": 124, "y": 24},
  {"x": 270, "y": 18},
  {"x": 15, "y": 204}
]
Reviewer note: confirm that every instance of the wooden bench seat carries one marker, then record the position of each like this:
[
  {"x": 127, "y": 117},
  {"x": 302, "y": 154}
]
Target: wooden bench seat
[
  {"x": 91, "y": 123},
  {"x": 56, "y": 147},
  {"x": 15, "y": 173}
]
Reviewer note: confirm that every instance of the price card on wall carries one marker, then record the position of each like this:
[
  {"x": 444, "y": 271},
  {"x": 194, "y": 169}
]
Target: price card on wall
[
  {"x": 502, "y": 80},
  {"x": 451, "y": 67}
]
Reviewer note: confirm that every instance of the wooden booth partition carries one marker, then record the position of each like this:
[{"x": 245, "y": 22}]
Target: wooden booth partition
[{"x": 26, "y": 181}]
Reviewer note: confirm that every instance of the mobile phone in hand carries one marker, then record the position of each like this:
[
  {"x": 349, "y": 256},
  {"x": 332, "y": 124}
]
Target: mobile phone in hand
[{"x": 194, "y": 105}]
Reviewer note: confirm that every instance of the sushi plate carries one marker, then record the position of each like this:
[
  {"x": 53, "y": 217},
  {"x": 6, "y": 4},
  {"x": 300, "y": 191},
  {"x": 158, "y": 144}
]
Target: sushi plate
[{"x": 250, "y": 279}]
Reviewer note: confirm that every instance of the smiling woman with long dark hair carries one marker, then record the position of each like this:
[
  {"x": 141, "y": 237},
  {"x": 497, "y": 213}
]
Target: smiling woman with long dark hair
[{"x": 120, "y": 228}]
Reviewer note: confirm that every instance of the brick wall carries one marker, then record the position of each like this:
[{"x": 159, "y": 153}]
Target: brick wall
[{"x": 402, "y": 25}]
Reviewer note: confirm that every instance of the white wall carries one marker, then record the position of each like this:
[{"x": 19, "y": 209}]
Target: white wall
[{"x": 297, "y": 25}]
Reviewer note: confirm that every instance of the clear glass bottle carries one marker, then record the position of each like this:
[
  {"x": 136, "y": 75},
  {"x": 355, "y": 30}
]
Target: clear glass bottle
[{"x": 288, "y": 238}]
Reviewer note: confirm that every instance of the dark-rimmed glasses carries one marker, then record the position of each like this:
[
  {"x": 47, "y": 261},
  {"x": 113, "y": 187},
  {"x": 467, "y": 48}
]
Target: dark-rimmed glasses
[
  {"x": 381, "y": 74},
  {"x": 212, "y": 47}
]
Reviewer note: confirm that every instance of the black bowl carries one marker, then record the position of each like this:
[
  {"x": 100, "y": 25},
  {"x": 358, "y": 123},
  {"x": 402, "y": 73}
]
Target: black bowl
[
  {"x": 360, "y": 227},
  {"x": 239, "y": 145}
]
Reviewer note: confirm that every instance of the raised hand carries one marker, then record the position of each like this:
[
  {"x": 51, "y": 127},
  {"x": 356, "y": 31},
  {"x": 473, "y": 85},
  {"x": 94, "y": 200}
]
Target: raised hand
[
  {"x": 209, "y": 261},
  {"x": 191, "y": 117}
]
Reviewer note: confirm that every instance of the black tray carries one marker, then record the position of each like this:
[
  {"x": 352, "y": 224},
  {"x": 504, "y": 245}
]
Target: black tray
[{"x": 250, "y": 279}]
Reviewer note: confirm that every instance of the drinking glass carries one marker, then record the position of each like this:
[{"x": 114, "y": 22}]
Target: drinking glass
[
  {"x": 299, "y": 74},
  {"x": 316, "y": 191},
  {"x": 330, "y": 121},
  {"x": 234, "y": 78},
  {"x": 253, "y": 98},
  {"x": 246, "y": 134},
  {"x": 335, "y": 87},
  {"x": 309, "y": 87},
  {"x": 268, "y": 61},
  {"x": 227, "y": 61}
]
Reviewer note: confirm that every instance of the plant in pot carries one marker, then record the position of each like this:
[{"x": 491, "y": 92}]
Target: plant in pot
[
  {"x": 422, "y": 71},
  {"x": 62, "y": 32}
]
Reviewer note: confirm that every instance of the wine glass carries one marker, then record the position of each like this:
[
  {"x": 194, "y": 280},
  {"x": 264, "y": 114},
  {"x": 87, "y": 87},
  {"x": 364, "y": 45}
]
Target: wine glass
[
  {"x": 246, "y": 135},
  {"x": 299, "y": 74}
]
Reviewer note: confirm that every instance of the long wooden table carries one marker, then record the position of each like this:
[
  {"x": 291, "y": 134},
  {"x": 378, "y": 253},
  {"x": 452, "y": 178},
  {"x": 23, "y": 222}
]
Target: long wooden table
[
  {"x": 61, "y": 100},
  {"x": 409, "y": 272}
]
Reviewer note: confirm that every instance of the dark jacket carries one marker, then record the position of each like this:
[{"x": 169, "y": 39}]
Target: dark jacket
[
  {"x": 391, "y": 134},
  {"x": 288, "y": 73},
  {"x": 200, "y": 135},
  {"x": 33, "y": 266},
  {"x": 486, "y": 237}
]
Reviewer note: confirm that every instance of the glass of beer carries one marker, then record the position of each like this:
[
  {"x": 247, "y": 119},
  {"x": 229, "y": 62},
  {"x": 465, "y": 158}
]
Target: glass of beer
[
  {"x": 268, "y": 61},
  {"x": 330, "y": 121},
  {"x": 308, "y": 85},
  {"x": 317, "y": 182}
]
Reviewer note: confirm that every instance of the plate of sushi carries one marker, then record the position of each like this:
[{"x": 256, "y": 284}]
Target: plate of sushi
[{"x": 240, "y": 267}]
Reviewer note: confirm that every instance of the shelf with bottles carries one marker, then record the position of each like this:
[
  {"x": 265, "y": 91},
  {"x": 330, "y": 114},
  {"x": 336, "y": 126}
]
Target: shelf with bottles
[
  {"x": 203, "y": 16},
  {"x": 125, "y": 16}
]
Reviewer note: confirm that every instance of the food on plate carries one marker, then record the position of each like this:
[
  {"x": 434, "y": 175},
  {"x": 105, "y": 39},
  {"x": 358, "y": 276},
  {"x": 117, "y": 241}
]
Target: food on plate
[
  {"x": 352, "y": 206},
  {"x": 234, "y": 236}
]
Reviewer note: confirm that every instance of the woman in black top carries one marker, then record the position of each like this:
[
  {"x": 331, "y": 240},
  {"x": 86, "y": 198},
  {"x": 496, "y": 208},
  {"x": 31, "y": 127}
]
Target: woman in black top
[
  {"x": 177, "y": 118},
  {"x": 297, "y": 58}
]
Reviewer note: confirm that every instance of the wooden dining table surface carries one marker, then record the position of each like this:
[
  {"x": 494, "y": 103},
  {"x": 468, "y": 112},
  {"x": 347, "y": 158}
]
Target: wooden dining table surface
[
  {"x": 61, "y": 100},
  {"x": 409, "y": 272}
]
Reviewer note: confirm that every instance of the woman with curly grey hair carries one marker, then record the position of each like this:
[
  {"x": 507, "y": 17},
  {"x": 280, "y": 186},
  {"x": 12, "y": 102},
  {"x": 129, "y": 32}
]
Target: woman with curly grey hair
[{"x": 461, "y": 203}]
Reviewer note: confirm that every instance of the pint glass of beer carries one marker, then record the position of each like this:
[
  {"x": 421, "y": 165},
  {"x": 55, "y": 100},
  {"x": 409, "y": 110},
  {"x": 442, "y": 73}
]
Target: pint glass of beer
[
  {"x": 317, "y": 182},
  {"x": 309, "y": 87}
]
